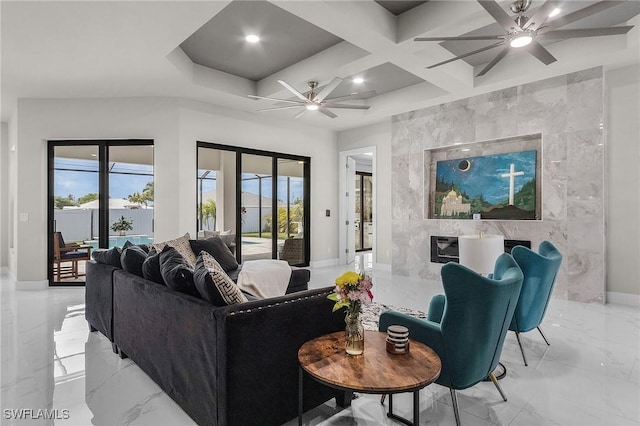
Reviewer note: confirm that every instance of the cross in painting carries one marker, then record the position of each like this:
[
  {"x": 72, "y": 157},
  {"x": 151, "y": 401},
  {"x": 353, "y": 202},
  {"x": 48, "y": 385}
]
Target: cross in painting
[{"x": 511, "y": 175}]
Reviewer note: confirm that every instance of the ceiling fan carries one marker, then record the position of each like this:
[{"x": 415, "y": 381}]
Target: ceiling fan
[
  {"x": 524, "y": 32},
  {"x": 312, "y": 101}
]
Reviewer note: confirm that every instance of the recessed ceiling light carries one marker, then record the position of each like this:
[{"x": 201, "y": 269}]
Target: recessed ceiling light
[
  {"x": 555, "y": 12},
  {"x": 94, "y": 155},
  {"x": 252, "y": 38},
  {"x": 358, "y": 80},
  {"x": 312, "y": 107}
]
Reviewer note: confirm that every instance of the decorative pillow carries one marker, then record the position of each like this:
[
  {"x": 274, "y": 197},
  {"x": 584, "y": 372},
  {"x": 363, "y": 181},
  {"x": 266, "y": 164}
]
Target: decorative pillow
[
  {"x": 128, "y": 243},
  {"x": 108, "y": 256},
  {"x": 209, "y": 234},
  {"x": 229, "y": 240},
  {"x": 176, "y": 272},
  {"x": 213, "y": 283},
  {"x": 181, "y": 244},
  {"x": 151, "y": 267},
  {"x": 216, "y": 248},
  {"x": 132, "y": 258}
]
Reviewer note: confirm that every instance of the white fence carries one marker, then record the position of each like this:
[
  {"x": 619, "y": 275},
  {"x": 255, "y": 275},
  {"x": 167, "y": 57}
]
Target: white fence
[{"x": 82, "y": 224}]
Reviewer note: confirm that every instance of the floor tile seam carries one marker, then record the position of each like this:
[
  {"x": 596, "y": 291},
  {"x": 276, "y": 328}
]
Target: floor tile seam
[
  {"x": 599, "y": 373},
  {"x": 579, "y": 403}
]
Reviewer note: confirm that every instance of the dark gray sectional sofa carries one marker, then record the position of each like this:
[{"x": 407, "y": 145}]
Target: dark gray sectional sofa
[{"x": 231, "y": 365}]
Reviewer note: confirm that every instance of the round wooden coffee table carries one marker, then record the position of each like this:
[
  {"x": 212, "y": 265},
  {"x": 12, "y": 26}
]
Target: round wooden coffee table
[{"x": 375, "y": 371}]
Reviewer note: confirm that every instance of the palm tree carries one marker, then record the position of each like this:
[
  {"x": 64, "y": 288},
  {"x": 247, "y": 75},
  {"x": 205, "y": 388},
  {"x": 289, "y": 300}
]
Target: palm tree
[
  {"x": 207, "y": 211},
  {"x": 137, "y": 198}
]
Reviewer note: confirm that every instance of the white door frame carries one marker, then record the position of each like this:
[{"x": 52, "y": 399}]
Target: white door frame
[{"x": 342, "y": 237}]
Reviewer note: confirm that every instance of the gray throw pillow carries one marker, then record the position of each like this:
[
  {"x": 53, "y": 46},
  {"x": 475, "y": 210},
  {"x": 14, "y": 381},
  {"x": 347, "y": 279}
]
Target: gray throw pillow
[{"x": 218, "y": 249}]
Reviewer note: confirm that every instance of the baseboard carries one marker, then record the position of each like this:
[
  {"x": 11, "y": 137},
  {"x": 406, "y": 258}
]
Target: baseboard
[
  {"x": 384, "y": 267},
  {"x": 323, "y": 263},
  {"x": 623, "y": 298},
  {"x": 32, "y": 285}
]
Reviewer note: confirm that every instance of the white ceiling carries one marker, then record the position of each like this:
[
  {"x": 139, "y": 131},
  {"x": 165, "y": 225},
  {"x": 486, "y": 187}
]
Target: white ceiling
[{"x": 78, "y": 49}]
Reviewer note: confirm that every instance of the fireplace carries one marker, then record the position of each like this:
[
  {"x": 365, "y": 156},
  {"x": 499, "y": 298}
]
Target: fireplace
[{"x": 445, "y": 249}]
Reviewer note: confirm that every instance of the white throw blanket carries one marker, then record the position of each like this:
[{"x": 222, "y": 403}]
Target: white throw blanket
[{"x": 265, "y": 277}]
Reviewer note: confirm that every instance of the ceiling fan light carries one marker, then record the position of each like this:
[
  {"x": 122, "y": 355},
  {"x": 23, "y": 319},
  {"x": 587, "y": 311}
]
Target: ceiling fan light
[
  {"x": 252, "y": 38},
  {"x": 312, "y": 107},
  {"x": 521, "y": 40}
]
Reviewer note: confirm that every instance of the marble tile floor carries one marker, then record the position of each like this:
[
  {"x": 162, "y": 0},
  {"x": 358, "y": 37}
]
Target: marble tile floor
[{"x": 590, "y": 375}]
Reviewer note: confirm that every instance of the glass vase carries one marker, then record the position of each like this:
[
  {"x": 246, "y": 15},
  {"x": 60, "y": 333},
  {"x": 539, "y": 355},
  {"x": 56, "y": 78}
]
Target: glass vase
[{"x": 354, "y": 334}]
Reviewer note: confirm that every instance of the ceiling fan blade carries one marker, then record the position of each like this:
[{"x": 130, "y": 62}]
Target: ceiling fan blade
[
  {"x": 281, "y": 108},
  {"x": 499, "y": 14},
  {"x": 352, "y": 96},
  {"x": 292, "y": 90},
  {"x": 276, "y": 99},
  {"x": 300, "y": 113},
  {"x": 327, "y": 89},
  {"x": 591, "y": 32},
  {"x": 541, "y": 53},
  {"x": 494, "y": 61},
  {"x": 467, "y": 54},
  {"x": 492, "y": 37},
  {"x": 541, "y": 15},
  {"x": 327, "y": 112},
  {"x": 581, "y": 14},
  {"x": 346, "y": 106}
]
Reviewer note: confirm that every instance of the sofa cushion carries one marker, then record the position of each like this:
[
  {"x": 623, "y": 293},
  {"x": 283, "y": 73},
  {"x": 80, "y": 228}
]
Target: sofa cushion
[
  {"x": 216, "y": 248},
  {"x": 108, "y": 256},
  {"x": 213, "y": 283},
  {"x": 177, "y": 274},
  {"x": 132, "y": 258},
  {"x": 181, "y": 244},
  {"x": 151, "y": 267}
]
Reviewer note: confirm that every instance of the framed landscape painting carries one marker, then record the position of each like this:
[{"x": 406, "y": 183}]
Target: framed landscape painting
[{"x": 500, "y": 186}]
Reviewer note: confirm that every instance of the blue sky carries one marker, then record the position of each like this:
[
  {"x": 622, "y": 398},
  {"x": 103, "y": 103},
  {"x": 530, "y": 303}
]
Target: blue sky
[
  {"x": 79, "y": 183},
  {"x": 251, "y": 185},
  {"x": 484, "y": 174}
]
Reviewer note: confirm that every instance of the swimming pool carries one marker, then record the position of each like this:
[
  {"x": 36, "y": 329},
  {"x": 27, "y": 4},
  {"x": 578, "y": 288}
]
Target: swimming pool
[{"x": 118, "y": 241}]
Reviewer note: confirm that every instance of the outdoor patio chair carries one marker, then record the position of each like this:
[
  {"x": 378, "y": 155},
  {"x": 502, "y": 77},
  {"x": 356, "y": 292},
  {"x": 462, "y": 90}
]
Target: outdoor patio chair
[{"x": 67, "y": 256}]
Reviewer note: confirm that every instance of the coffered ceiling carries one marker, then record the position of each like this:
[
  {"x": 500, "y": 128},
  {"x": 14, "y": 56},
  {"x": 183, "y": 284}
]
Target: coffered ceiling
[{"x": 196, "y": 50}]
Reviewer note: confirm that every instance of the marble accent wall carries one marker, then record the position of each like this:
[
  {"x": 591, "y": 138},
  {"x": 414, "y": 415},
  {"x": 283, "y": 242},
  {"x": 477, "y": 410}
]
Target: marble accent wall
[{"x": 568, "y": 111}]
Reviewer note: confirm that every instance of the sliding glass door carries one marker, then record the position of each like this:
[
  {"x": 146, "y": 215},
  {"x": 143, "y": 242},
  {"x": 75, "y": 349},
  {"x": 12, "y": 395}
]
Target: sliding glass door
[
  {"x": 100, "y": 195},
  {"x": 269, "y": 219}
]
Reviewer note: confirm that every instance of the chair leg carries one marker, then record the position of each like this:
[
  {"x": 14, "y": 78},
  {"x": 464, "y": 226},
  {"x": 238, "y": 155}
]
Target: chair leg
[
  {"x": 524, "y": 358},
  {"x": 382, "y": 398},
  {"x": 543, "y": 336},
  {"x": 495, "y": 382},
  {"x": 454, "y": 400}
]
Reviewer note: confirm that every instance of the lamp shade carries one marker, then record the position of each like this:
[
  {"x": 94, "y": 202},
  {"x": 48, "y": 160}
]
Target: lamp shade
[{"x": 479, "y": 252}]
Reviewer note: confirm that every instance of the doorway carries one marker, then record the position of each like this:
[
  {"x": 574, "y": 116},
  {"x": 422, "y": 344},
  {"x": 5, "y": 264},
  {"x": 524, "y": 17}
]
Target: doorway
[
  {"x": 100, "y": 195},
  {"x": 357, "y": 203}
]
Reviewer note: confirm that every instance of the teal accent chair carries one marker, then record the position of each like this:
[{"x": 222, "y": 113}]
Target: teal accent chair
[
  {"x": 540, "y": 271},
  {"x": 467, "y": 325}
]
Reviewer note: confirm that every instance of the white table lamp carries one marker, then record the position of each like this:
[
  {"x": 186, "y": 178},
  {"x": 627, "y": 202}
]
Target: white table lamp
[{"x": 479, "y": 252}]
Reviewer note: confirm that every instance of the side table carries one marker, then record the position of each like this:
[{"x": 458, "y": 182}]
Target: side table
[{"x": 375, "y": 371}]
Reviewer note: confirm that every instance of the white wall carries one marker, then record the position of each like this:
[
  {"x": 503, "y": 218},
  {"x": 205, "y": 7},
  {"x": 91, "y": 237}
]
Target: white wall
[
  {"x": 378, "y": 135},
  {"x": 4, "y": 197},
  {"x": 208, "y": 123},
  {"x": 623, "y": 250},
  {"x": 174, "y": 127},
  {"x": 42, "y": 120}
]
